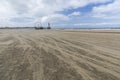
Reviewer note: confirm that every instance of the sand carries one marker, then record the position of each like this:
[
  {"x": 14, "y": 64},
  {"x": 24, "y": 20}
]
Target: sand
[{"x": 59, "y": 55}]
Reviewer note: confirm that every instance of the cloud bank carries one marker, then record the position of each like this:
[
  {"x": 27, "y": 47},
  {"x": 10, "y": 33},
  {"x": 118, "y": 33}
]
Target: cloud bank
[{"x": 28, "y": 12}]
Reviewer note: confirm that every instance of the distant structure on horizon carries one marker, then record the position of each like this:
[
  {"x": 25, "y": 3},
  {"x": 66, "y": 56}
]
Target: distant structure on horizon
[
  {"x": 49, "y": 26},
  {"x": 39, "y": 26}
]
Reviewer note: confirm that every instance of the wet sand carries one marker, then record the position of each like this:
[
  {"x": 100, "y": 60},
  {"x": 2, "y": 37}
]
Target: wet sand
[{"x": 59, "y": 55}]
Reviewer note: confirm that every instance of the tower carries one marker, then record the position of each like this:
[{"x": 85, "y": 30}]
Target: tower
[{"x": 49, "y": 27}]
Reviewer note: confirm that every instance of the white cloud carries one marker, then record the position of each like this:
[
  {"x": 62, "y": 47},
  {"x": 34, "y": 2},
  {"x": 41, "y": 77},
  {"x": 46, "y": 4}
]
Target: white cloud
[
  {"x": 94, "y": 24},
  {"x": 108, "y": 11},
  {"x": 54, "y": 18},
  {"x": 6, "y": 10},
  {"x": 43, "y": 10},
  {"x": 75, "y": 14}
]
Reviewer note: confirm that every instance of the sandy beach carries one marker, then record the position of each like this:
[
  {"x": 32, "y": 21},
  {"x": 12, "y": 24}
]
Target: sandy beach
[{"x": 59, "y": 54}]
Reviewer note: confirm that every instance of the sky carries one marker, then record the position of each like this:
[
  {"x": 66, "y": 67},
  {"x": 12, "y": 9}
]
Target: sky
[{"x": 60, "y": 13}]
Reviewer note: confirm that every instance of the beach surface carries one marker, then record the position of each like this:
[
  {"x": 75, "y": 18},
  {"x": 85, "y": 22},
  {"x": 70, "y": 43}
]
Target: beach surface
[{"x": 59, "y": 54}]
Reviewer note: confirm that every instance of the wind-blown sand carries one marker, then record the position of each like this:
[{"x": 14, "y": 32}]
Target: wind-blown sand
[{"x": 59, "y": 55}]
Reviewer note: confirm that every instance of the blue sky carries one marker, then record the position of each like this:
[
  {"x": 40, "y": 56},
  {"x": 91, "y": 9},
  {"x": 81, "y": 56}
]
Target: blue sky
[
  {"x": 85, "y": 9},
  {"x": 60, "y": 13}
]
